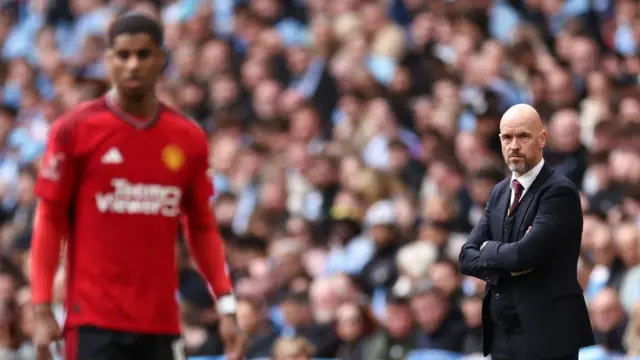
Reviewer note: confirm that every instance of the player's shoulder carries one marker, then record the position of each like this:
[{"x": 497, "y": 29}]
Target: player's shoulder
[
  {"x": 86, "y": 109},
  {"x": 181, "y": 123},
  {"x": 68, "y": 122},
  {"x": 82, "y": 112}
]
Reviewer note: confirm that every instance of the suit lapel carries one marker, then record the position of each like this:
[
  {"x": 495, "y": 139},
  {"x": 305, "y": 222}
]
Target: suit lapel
[
  {"x": 525, "y": 202},
  {"x": 503, "y": 205}
]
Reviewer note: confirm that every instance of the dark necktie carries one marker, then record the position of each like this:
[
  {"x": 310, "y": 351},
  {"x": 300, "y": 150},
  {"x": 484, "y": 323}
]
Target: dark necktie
[{"x": 517, "y": 194}]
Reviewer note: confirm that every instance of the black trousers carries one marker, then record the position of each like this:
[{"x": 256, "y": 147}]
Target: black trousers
[
  {"x": 511, "y": 345},
  {"x": 90, "y": 343}
]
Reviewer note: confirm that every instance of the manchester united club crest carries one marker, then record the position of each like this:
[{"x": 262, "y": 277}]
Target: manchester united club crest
[{"x": 173, "y": 157}]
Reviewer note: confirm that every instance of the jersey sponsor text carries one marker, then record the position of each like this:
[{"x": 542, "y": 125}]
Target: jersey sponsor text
[{"x": 140, "y": 199}]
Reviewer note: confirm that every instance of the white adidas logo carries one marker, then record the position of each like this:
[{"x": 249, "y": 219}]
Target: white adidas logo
[{"x": 112, "y": 156}]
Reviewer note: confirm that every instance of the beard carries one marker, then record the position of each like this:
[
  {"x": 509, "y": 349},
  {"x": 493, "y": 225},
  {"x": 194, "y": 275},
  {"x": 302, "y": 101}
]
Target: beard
[{"x": 518, "y": 167}]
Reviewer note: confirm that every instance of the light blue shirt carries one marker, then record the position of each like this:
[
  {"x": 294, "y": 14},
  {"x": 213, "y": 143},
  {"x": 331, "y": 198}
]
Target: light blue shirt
[{"x": 351, "y": 258}]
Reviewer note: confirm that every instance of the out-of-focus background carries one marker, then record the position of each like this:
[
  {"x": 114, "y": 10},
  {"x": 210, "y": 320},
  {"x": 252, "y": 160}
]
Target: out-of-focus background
[{"x": 353, "y": 146}]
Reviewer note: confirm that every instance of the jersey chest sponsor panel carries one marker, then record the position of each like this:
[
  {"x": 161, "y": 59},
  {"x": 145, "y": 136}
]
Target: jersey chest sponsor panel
[
  {"x": 139, "y": 199},
  {"x": 139, "y": 173}
]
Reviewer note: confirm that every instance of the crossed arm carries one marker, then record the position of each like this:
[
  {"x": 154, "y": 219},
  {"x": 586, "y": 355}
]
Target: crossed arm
[
  {"x": 558, "y": 215},
  {"x": 469, "y": 258}
]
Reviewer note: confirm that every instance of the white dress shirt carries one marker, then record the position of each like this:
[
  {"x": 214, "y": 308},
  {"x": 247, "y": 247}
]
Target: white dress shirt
[{"x": 526, "y": 180}]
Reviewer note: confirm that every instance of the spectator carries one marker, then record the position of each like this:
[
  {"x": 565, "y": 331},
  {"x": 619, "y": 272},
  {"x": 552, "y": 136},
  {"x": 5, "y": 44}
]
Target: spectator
[
  {"x": 354, "y": 324},
  {"x": 396, "y": 337},
  {"x": 440, "y": 326},
  {"x": 472, "y": 311},
  {"x": 299, "y": 321},
  {"x": 295, "y": 348},
  {"x": 631, "y": 339},
  {"x": 253, "y": 321},
  {"x": 609, "y": 320}
]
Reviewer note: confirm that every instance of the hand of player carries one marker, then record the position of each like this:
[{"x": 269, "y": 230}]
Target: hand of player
[
  {"x": 45, "y": 331},
  {"x": 234, "y": 339}
]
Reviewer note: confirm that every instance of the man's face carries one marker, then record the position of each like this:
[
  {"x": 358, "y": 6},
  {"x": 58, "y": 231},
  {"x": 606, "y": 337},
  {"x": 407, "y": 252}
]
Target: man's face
[
  {"x": 468, "y": 147},
  {"x": 304, "y": 125},
  {"x": 626, "y": 238},
  {"x": 265, "y": 99},
  {"x": 480, "y": 189},
  {"x": 224, "y": 91},
  {"x": 398, "y": 320},
  {"x": 349, "y": 323},
  {"x": 295, "y": 312},
  {"x": 381, "y": 234},
  {"x": 560, "y": 89},
  {"x": 267, "y": 8},
  {"x": 134, "y": 62},
  {"x": 429, "y": 311},
  {"x": 565, "y": 130},
  {"x": 584, "y": 56},
  {"x": 606, "y": 312},
  {"x": 472, "y": 311},
  {"x": 521, "y": 144},
  {"x": 445, "y": 277},
  {"x": 215, "y": 57},
  {"x": 298, "y": 59}
]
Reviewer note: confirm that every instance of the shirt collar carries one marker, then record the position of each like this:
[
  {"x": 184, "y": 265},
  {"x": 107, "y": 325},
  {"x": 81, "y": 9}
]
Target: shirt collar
[{"x": 527, "y": 179}]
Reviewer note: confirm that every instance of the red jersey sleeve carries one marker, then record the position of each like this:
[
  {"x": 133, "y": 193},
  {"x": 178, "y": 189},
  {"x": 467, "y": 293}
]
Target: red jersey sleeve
[
  {"x": 201, "y": 184},
  {"x": 55, "y": 184},
  {"x": 57, "y": 175},
  {"x": 204, "y": 239}
]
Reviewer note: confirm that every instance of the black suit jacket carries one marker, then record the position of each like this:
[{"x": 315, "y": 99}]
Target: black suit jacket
[{"x": 548, "y": 300}]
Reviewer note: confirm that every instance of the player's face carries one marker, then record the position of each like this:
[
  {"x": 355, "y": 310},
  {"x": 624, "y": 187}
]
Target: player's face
[{"x": 134, "y": 62}]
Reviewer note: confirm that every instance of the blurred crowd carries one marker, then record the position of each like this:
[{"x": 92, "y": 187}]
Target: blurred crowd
[{"x": 353, "y": 147}]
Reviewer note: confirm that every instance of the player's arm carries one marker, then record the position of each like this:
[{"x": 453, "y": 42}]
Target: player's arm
[
  {"x": 203, "y": 237},
  {"x": 54, "y": 186}
]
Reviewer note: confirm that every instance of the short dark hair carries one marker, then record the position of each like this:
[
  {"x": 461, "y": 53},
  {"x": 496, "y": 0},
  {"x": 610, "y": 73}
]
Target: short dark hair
[{"x": 133, "y": 23}]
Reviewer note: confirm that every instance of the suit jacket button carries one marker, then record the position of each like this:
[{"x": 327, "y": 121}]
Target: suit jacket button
[{"x": 497, "y": 296}]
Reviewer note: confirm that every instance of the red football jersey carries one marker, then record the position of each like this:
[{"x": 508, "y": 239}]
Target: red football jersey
[{"x": 126, "y": 183}]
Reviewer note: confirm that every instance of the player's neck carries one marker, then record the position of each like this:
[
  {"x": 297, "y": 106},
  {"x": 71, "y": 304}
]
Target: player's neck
[{"x": 141, "y": 109}]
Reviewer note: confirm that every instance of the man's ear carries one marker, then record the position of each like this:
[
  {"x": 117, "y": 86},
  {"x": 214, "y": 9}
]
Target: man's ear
[{"x": 543, "y": 139}]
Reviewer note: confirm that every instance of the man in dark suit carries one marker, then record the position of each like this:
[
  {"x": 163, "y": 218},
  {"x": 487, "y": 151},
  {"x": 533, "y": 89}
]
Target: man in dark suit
[{"x": 526, "y": 247}]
